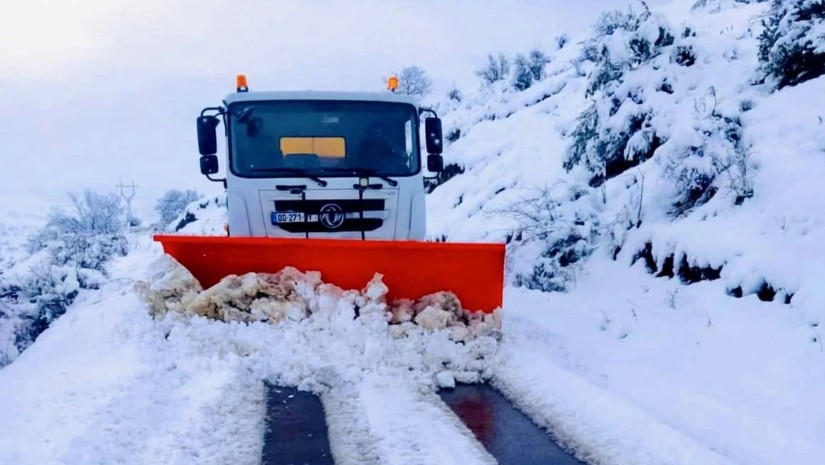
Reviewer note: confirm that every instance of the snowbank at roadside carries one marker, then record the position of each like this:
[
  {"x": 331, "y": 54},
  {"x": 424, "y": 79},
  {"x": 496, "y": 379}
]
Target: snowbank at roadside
[{"x": 629, "y": 369}]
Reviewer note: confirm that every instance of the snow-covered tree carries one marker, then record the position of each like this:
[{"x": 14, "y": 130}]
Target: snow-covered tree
[
  {"x": 413, "y": 80},
  {"x": 623, "y": 41},
  {"x": 173, "y": 203},
  {"x": 617, "y": 131},
  {"x": 792, "y": 45},
  {"x": 635, "y": 60},
  {"x": 85, "y": 237}
]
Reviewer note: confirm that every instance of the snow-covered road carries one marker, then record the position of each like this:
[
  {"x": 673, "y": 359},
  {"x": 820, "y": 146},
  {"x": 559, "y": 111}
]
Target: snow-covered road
[
  {"x": 109, "y": 384},
  {"x": 100, "y": 387},
  {"x": 610, "y": 376}
]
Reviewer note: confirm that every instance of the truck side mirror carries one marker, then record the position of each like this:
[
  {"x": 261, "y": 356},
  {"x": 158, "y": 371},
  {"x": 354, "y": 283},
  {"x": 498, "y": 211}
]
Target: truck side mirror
[
  {"x": 432, "y": 128},
  {"x": 209, "y": 164},
  {"x": 435, "y": 163},
  {"x": 207, "y": 136}
]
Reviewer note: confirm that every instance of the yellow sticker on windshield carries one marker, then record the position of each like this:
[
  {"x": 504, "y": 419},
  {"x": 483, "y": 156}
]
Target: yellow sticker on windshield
[{"x": 328, "y": 147}]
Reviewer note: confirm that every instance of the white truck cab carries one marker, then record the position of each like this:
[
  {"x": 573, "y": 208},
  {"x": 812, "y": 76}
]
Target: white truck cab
[{"x": 322, "y": 164}]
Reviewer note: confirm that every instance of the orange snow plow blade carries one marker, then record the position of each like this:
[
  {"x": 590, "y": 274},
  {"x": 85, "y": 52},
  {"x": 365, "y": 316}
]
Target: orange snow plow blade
[{"x": 411, "y": 269}]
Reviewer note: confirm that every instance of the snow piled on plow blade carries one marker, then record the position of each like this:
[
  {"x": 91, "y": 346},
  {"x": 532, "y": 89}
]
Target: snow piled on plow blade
[
  {"x": 463, "y": 340},
  {"x": 411, "y": 269}
]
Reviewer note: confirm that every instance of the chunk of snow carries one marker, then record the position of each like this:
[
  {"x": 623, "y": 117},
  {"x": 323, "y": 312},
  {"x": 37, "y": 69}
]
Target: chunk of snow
[{"x": 445, "y": 379}]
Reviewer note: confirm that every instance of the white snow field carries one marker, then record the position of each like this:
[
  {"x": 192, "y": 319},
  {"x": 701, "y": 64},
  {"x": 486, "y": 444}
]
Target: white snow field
[
  {"x": 689, "y": 338},
  {"x": 20, "y": 214}
]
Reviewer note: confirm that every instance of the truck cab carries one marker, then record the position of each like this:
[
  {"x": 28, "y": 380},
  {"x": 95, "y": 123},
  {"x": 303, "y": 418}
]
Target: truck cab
[{"x": 322, "y": 164}]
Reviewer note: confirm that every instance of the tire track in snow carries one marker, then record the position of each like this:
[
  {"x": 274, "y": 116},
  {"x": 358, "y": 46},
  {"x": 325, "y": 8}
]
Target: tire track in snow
[
  {"x": 201, "y": 411},
  {"x": 103, "y": 386},
  {"x": 599, "y": 426},
  {"x": 348, "y": 427},
  {"x": 414, "y": 426}
]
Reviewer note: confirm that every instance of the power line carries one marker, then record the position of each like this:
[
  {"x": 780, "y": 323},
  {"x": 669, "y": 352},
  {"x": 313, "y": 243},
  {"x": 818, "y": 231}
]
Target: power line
[{"x": 128, "y": 198}]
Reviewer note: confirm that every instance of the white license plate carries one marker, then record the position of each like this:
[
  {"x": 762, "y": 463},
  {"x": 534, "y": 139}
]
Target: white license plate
[{"x": 287, "y": 217}]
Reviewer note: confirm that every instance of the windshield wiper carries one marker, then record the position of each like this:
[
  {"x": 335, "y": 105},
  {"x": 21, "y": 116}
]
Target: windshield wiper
[
  {"x": 364, "y": 172},
  {"x": 297, "y": 171}
]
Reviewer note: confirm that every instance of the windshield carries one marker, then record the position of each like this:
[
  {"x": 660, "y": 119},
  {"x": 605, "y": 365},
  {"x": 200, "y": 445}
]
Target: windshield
[{"x": 323, "y": 138}]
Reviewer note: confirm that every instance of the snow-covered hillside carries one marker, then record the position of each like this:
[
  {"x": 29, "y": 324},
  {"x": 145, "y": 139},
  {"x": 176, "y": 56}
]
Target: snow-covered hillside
[
  {"x": 709, "y": 174},
  {"x": 658, "y": 188},
  {"x": 713, "y": 194}
]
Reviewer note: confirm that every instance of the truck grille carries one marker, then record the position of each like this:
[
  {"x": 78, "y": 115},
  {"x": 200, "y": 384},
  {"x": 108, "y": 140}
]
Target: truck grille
[
  {"x": 330, "y": 215},
  {"x": 315, "y": 206}
]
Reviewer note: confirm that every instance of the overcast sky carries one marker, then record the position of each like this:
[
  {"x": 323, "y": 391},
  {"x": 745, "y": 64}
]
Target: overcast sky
[{"x": 98, "y": 91}]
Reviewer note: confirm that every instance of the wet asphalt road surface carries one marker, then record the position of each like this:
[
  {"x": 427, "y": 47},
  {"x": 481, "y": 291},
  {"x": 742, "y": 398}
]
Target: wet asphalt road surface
[
  {"x": 296, "y": 429},
  {"x": 506, "y": 433}
]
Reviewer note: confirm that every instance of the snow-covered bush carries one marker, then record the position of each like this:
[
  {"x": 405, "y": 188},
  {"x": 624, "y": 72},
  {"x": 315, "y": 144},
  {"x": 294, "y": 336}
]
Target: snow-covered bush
[
  {"x": 557, "y": 228},
  {"x": 43, "y": 292},
  {"x": 496, "y": 69},
  {"x": 522, "y": 77},
  {"x": 413, "y": 81},
  {"x": 713, "y": 158},
  {"x": 792, "y": 45},
  {"x": 529, "y": 69},
  {"x": 172, "y": 204},
  {"x": 715, "y": 6},
  {"x": 88, "y": 236},
  {"x": 8, "y": 320},
  {"x": 32, "y": 295},
  {"x": 623, "y": 41},
  {"x": 69, "y": 254}
]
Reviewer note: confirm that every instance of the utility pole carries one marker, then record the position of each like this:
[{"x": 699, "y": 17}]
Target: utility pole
[{"x": 128, "y": 198}]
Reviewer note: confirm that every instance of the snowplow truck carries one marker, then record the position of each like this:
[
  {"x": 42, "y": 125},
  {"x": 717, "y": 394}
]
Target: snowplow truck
[{"x": 332, "y": 182}]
